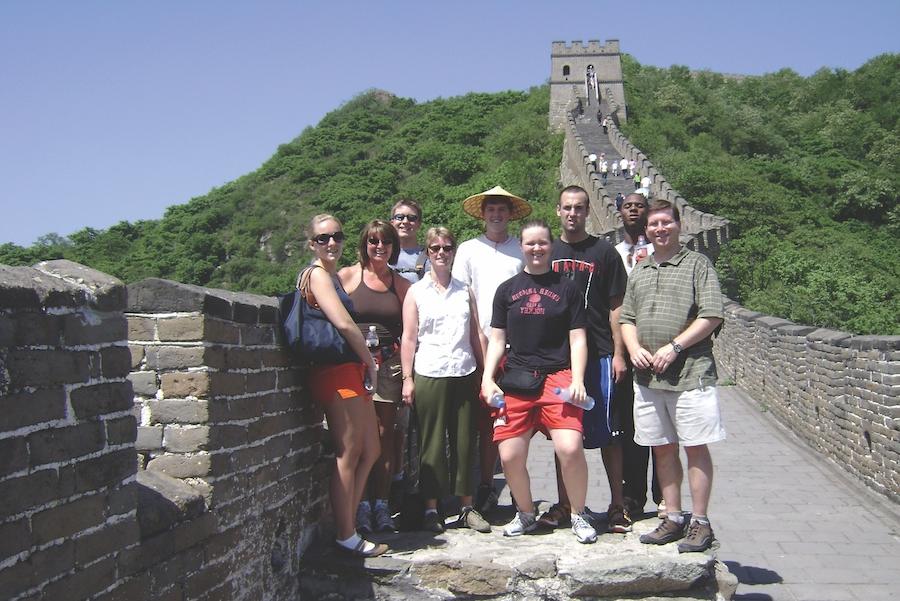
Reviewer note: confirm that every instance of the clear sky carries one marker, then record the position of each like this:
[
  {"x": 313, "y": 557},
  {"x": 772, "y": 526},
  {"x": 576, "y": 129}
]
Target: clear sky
[{"x": 112, "y": 111}]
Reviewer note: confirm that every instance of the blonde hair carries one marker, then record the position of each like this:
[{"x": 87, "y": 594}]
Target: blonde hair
[
  {"x": 439, "y": 231},
  {"x": 320, "y": 218}
]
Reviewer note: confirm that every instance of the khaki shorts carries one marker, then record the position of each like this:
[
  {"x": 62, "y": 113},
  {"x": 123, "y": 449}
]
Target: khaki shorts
[
  {"x": 390, "y": 384},
  {"x": 689, "y": 417}
]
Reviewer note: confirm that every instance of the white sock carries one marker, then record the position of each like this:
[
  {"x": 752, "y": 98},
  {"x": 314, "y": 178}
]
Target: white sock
[
  {"x": 353, "y": 541},
  {"x": 678, "y": 518}
]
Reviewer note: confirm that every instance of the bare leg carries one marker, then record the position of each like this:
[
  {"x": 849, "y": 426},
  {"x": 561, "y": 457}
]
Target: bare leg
[
  {"x": 612, "y": 461},
  {"x": 487, "y": 448},
  {"x": 700, "y": 477},
  {"x": 668, "y": 468},
  {"x": 382, "y": 472},
  {"x": 562, "y": 493},
  {"x": 353, "y": 429},
  {"x": 570, "y": 451},
  {"x": 514, "y": 455}
]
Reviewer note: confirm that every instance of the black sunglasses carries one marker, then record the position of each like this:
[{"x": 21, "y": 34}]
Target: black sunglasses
[
  {"x": 447, "y": 248},
  {"x": 410, "y": 218},
  {"x": 374, "y": 241},
  {"x": 322, "y": 239}
]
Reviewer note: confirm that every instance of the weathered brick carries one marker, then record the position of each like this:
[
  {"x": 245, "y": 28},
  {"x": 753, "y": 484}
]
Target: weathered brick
[
  {"x": 15, "y": 537},
  {"x": 257, "y": 335},
  {"x": 224, "y": 384},
  {"x": 65, "y": 520},
  {"x": 238, "y": 358},
  {"x": 98, "y": 399},
  {"x": 149, "y": 438},
  {"x": 112, "y": 538},
  {"x": 90, "y": 327},
  {"x": 278, "y": 447},
  {"x": 59, "y": 444},
  {"x": 184, "y": 384},
  {"x": 116, "y": 361},
  {"x": 195, "y": 531},
  {"x": 269, "y": 425},
  {"x": 222, "y": 543},
  {"x": 173, "y": 357},
  {"x": 205, "y": 580},
  {"x": 141, "y": 328},
  {"x": 15, "y": 580},
  {"x": 259, "y": 382},
  {"x": 236, "y": 409},
  {"x": 105, "y": 470},
  {"x": 224, "y": 332},
  {"x": 136, "y": 588},
  {"x": 51, "y": 562},
  {"x": 36, "y": 329},
  {"x": 185, "y": 439},
  {"x": 227, "y": 436},
  {"x": 181, "y": 328},
  {"x": 151, "y": 551},
  {"x": 181, "y": 466},
  {"x": 84, "y": 583},
  {"x": 122, "y": 430},
  {"x": 121, "y": 500},
  {"x": 278, "y": 402},
  {"x": 137, "y": 355},
  {"x": 46, "y": 368},
  {"x": 178, "y": 412},
  {"x": 275, "y": 358},
  {"x": 13, "y": 455},
  {"x": 144, "y": 383}
]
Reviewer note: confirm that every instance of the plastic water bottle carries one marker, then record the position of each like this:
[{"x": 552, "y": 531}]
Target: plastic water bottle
[
  {"x": 640, "y": 249},
  {"x": 563, "y": 393},
  {"x": 372, "y": 343},
  {"x": 497, "y": 401}
]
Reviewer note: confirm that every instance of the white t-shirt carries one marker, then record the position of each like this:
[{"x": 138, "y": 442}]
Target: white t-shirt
[
  {"x": 626, "y": 249},
  {"x": 444, "y": 347},
  {"x": 483, "y": 265}
]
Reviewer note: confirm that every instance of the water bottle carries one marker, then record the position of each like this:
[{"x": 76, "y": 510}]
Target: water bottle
[
  {"x": 372, "y": 343},
  {"x": 640, "y": 249},
  {"x": 563, "y": 393},
  {"x": 497, "y": 401}
]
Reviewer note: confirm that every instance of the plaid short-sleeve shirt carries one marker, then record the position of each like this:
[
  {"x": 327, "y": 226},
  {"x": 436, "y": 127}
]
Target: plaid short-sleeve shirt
[{"x": 662, "y": 300}]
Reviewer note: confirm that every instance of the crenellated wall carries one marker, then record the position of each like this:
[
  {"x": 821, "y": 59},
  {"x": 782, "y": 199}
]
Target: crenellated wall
[{"x": 158, "y": 447}]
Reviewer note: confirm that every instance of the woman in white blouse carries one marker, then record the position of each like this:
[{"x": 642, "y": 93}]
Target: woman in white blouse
[{"x": 440, "y": 351}]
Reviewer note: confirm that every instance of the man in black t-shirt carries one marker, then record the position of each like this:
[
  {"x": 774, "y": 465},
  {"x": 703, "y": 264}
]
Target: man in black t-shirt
[{"x": 595, "y": 266}]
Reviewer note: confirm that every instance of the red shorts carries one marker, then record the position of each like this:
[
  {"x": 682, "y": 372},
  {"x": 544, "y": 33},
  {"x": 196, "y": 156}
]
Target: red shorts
[
  {"x": 549, "y": 412},
  {"x": 342, "y": 381}
]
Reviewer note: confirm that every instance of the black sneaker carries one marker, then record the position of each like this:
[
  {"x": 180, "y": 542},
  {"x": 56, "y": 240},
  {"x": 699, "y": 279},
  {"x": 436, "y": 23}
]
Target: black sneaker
[
  {"x": 668, "y": 531},
  {"x": 433, "y": 522},
  {"x": 486, "y": 499},
  {"x": 699, "y": 537}
]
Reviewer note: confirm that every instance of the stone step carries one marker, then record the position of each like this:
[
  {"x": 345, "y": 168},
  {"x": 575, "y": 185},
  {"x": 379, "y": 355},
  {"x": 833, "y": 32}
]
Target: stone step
[{"x": 550, "y": 565}]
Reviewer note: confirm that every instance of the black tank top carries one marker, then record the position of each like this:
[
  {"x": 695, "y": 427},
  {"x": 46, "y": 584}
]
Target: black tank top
[{"x": 380, "y": 308}]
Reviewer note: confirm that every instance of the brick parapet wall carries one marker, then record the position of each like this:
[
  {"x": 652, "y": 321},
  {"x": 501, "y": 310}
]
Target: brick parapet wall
[
  {"x": 236, "y": 477},
  {"x": 837, "y": 391}
]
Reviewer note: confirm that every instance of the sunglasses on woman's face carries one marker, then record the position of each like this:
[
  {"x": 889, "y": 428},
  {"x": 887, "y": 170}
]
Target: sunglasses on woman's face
[
  {"x": 400, "y": 217},
  {"x": 322, "y": 239},
  {"x": 376, "y": 241},
  {"x": 447, "y": 248}
]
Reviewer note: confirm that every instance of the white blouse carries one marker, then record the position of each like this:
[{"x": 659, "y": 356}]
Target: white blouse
[{"x": 444, "y": 335}]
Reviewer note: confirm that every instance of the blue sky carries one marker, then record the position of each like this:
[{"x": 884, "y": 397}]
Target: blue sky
[{"x": 112, "y": 111}]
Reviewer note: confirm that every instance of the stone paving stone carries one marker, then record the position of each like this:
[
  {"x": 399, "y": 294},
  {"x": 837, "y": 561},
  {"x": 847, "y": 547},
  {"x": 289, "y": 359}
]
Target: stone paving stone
[{"x": 822, "y": 592}]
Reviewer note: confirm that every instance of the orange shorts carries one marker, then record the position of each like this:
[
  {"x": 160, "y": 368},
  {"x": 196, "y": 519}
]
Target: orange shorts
[
  {"x": 342, "y": 381},
  {"x": 549, "y": 412}
]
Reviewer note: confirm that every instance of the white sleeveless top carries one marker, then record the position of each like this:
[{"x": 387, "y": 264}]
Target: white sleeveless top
[{"x": 444, "y": 342}]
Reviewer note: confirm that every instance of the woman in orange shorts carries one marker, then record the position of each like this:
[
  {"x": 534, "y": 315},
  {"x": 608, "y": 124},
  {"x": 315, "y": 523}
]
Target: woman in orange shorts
[
  {"x": 340, "y": 391},
  {"x": 540, "y": 314}
]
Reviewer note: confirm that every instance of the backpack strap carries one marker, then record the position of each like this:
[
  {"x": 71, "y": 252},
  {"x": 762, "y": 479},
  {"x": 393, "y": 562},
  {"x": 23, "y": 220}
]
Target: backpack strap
[{"x": 420, "y": 263}]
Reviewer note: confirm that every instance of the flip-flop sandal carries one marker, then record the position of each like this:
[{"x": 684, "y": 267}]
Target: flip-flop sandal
[{"x": 360, "y": 549}]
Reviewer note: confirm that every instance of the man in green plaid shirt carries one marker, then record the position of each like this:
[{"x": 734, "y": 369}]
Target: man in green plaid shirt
[{"x": 672, "y": 307}]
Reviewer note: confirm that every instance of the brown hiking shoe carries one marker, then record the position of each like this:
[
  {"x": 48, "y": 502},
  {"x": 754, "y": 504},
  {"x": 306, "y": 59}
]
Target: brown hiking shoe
[
  {"x": 699, "y": 537},
  {"x": 558, "y": 515},
  {"x": 616, "y": 520},
  {"x": 668, "y": 531}
]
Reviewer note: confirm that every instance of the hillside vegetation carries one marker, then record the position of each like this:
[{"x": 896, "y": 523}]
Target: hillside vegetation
[
  {"x": 249, "y": 234},
  {"x": 807, "y": 170}
]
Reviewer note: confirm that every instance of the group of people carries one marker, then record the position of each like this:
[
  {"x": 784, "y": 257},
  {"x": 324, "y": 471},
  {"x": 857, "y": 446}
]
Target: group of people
[
  {"x": 542, "y": 324},
  {"x": 624, "y": 167}
]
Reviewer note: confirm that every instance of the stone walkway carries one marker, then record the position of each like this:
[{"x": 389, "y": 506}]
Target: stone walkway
[{"x": 790, "y": 525}]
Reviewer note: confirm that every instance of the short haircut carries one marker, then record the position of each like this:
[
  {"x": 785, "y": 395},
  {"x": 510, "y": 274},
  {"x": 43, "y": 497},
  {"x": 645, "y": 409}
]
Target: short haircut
[
  {"x": 535, "y": 223},
  {"x": 407, "y": 202},
  {"x": 496, "y": 200},
  {"x": 575, "y": 189},
  {"x": 320, "y": 218},
  {"x": 439, "y": 231},
  {"x": 636, "y": 196},
  {"x": 662, "y": 205},
  {"x": 387, "y": 232}
]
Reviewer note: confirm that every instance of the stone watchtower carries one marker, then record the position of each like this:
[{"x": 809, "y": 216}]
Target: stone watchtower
[{"x": 568, "y": 65}]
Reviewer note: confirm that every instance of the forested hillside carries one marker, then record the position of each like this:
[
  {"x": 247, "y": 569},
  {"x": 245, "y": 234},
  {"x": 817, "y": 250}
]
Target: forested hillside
[
  {"x": 249, "y": 234},
  {"x": 807, "y": 170}
]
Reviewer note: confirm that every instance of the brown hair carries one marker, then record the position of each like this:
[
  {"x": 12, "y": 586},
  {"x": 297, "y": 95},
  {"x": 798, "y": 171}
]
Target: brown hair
[
  {"x": 587, "y": 197},
  {"x": 439, "y": 232},
  {"x": 663, "y": 205},
  {"x": 407, "y": 202},
  {"x": 386, "y": 231}
]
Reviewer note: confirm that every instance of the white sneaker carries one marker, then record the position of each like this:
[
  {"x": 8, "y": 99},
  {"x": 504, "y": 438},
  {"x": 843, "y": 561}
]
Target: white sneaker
[
  {"x": 521, "y": 524},
  {"x": 364, "y": 517},
  {"x": 383, "y": 521},
  {"x": 582, "y": 530}
]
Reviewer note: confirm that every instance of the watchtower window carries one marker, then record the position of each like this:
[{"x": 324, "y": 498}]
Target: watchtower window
[{"x": 566, "y": 70}]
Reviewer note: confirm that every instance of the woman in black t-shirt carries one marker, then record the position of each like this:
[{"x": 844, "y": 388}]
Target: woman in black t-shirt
[{"x": 541, "y": 315}]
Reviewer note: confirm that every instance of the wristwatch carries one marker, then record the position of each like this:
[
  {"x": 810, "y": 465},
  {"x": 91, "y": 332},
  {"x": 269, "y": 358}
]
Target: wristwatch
[{"x": 676, "y": 347}]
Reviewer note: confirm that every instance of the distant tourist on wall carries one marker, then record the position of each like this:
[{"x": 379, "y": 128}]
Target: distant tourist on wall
[
  {"x": 340, "y": 392},
  {"x": 673, "y": 305},
  {"x": 623, "y": 167},
  {"x": 604, "y": 170}
]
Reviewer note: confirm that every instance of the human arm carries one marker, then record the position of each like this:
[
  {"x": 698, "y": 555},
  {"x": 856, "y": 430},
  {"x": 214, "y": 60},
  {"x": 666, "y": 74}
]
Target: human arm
[
  {"x": 699, "y": 329},
  {"x": 477, "y": 339},
  {"x": 322, "y": 287},
  {"x": 578, "y": 359},
  {"x": 618, "y": 360},
  {"x": 408, "y": 346},
  {"x": 495, "y": 349}
]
